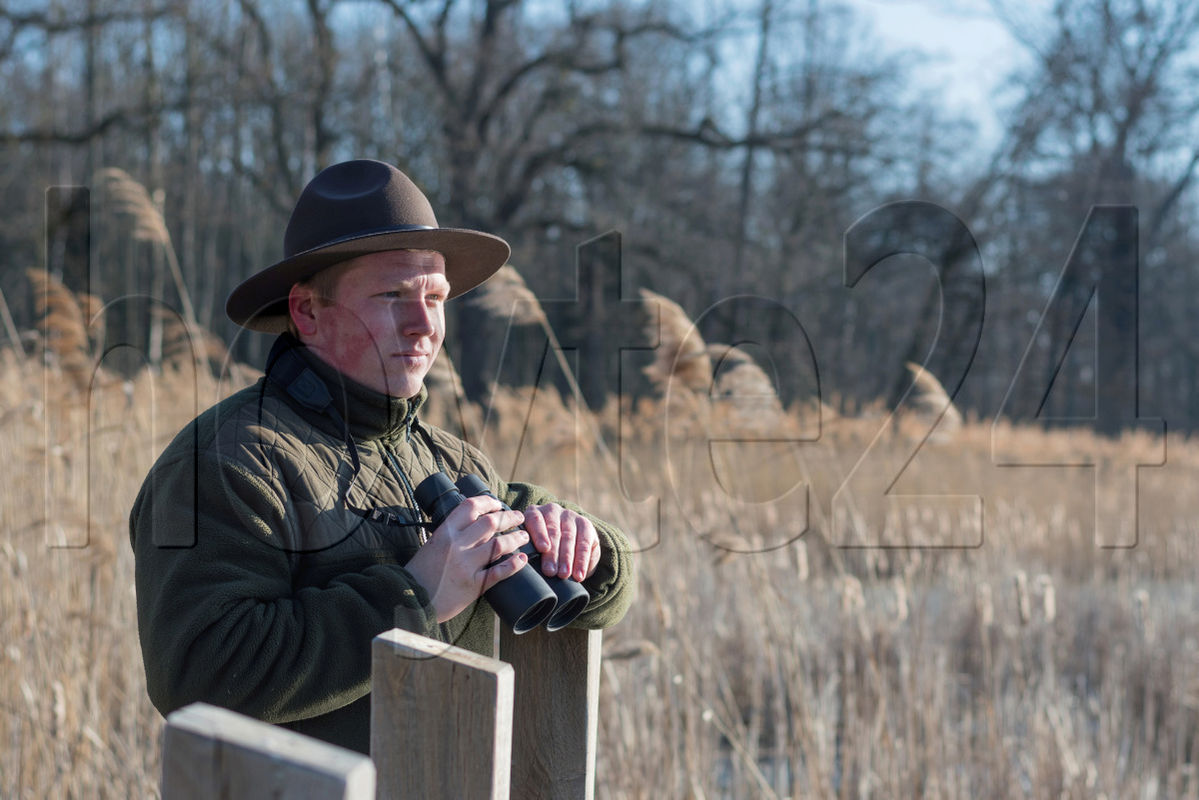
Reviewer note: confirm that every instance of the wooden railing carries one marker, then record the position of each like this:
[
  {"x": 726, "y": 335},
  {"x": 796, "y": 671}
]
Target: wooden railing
[
  {"x": 445, "y": 723},
  {"x": 209, "y": 752}
]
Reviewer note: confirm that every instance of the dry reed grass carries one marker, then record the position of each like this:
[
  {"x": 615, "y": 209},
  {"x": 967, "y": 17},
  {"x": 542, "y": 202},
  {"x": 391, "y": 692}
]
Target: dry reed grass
[
  {"x": 754, "y": 664},
  {"x": 953, "y": 675},
  {"x": 710, "y": 389},
  {"x": 69, "y": 325},
  {"x": 76, "y": 720},
  {"x": 506, "y": 296},
  {"x": 129, "y": 202},
  {"x": 681, "y": 354},
  {"x": 931, "y": 405}
]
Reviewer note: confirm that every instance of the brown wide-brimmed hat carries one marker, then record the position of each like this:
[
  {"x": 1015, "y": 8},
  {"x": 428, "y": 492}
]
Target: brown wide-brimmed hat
[{"x": 349, "y": 210}]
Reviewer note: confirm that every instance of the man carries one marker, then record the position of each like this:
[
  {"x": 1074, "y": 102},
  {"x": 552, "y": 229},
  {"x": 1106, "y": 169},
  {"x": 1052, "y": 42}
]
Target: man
[{"x": 279, "y": 533}]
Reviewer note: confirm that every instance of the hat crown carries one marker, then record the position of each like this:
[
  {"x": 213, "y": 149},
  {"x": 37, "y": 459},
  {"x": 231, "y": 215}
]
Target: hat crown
[
  {"x": 352, "y": 199},
  {"x": 350, "y": 210}
]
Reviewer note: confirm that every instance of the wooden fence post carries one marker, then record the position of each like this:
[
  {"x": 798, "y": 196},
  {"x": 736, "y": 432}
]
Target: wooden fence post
[
  {"x": 441, "y": 719},
  {"x": 213, "y": 752},
  {"x": 556, "y": 716}
]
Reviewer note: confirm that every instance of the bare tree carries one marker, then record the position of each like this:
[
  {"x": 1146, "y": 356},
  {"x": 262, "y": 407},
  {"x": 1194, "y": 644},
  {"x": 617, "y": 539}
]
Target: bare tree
[{"x": 1108, "y": 117}]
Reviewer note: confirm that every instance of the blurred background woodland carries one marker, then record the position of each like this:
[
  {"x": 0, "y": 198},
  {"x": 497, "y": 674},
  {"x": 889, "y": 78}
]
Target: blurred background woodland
[{"x": 739, "y": 228}]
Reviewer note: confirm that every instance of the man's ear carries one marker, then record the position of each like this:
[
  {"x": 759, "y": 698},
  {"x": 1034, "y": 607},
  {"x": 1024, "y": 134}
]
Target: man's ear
[{"x": 301, "y": 304}]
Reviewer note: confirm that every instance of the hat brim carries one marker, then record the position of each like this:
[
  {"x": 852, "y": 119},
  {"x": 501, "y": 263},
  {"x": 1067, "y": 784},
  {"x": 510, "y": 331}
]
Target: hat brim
[{"x": 471, "y": 257}]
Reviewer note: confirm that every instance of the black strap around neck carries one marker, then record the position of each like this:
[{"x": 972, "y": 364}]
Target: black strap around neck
[{"x": 287, "y": 368}]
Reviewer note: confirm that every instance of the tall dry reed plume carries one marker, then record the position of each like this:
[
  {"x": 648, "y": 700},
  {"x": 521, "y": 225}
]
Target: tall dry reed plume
[
  {"x": 930, "y": 404},
  {"x": 68, "y": 324},
  {"x": 681, "y": 354},
  {"x": 724, "y": 430},
  {"x": 130, "y": 201},
  {"x": 190, "y": 344},
  {"x": 706, "y": 379},
  {"x": 506, "y": 299},
  {"x": 506, "y": 295},
  {"x": 75, "y": 718},
  {"x": 739, "y": 381}
]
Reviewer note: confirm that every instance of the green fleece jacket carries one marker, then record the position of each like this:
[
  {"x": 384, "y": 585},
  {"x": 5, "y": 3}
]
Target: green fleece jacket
[{"x": 268, "y": 555}]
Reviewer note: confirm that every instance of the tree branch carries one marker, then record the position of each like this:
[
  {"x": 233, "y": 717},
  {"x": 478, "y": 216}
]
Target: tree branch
[
  {"x": 53, "y": 23},
  {"x": 273, "y": 99},
  {"x": 116, "y": 118},
  {"x": 568, "y": 58},
  {"x": 434, "y": 57},
  {"x": 1158, "y": 221},
  {"x": 708, "y": 134}
]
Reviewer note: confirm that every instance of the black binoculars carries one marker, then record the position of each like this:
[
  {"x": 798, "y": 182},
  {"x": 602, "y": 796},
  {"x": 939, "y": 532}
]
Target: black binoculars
[{"x": 524, "y": 600}]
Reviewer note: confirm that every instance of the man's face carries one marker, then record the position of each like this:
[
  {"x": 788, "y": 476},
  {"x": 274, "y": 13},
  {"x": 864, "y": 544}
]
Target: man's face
[{"x": 385, "y": 320}]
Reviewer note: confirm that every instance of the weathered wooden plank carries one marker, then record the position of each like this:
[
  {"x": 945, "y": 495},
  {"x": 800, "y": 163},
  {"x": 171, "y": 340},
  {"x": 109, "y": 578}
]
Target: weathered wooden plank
[
  {"x": 441, "y": 719},
  {"x": 556, "y": 716},
  {"x": 211, "y": 752}
]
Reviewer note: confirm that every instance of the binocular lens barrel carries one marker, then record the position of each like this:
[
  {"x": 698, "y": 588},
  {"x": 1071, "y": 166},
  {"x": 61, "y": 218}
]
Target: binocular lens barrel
[
  {"x": 523, "y": 601},
  {"x": 571, "y": 596}
]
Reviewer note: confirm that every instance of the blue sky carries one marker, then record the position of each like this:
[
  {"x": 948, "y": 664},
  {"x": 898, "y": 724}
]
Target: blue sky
[{"x": 969, "y": 52}]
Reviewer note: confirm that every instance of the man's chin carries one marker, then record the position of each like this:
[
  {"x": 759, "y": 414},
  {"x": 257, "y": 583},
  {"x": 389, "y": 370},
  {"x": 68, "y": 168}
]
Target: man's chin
[{"x": 407, "y": 386}]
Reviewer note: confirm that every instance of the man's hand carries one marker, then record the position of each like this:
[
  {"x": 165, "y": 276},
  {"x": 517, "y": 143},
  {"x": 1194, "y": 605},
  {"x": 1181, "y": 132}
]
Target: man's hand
[
  {"x": 452, "y": 565},
  {"x": 567, "y": 541}
]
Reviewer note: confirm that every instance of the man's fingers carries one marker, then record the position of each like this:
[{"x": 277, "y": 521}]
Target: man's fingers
[
  {"x": 568, "y": 532},
  {"x": 542, "y": 524},
  {"x": 471, "y": 509},
  {"x": 480, "y": 518},
  {"x": 586, "y": 540},
  {"x": 504, "y": 569},
  {"x": 538, "y": 531},
  {"x": 567, "y": 541},
  {"x": 504, "y": 544}
]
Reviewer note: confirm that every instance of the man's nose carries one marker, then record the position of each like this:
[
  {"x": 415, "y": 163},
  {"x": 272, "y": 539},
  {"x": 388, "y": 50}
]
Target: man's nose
[{"x": 415, "y": 319}]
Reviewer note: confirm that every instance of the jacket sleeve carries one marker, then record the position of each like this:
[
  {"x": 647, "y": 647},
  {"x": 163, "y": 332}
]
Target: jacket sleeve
[{"x": 219, "y": 618}]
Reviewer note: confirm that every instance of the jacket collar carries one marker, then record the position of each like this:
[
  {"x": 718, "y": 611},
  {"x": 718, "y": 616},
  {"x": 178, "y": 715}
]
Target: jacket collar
[{"x": 313, "y": 387}]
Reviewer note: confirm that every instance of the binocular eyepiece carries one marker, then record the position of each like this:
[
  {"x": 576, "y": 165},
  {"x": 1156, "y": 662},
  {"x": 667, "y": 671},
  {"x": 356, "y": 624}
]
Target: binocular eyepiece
[{"x": 524, "y": 600}]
